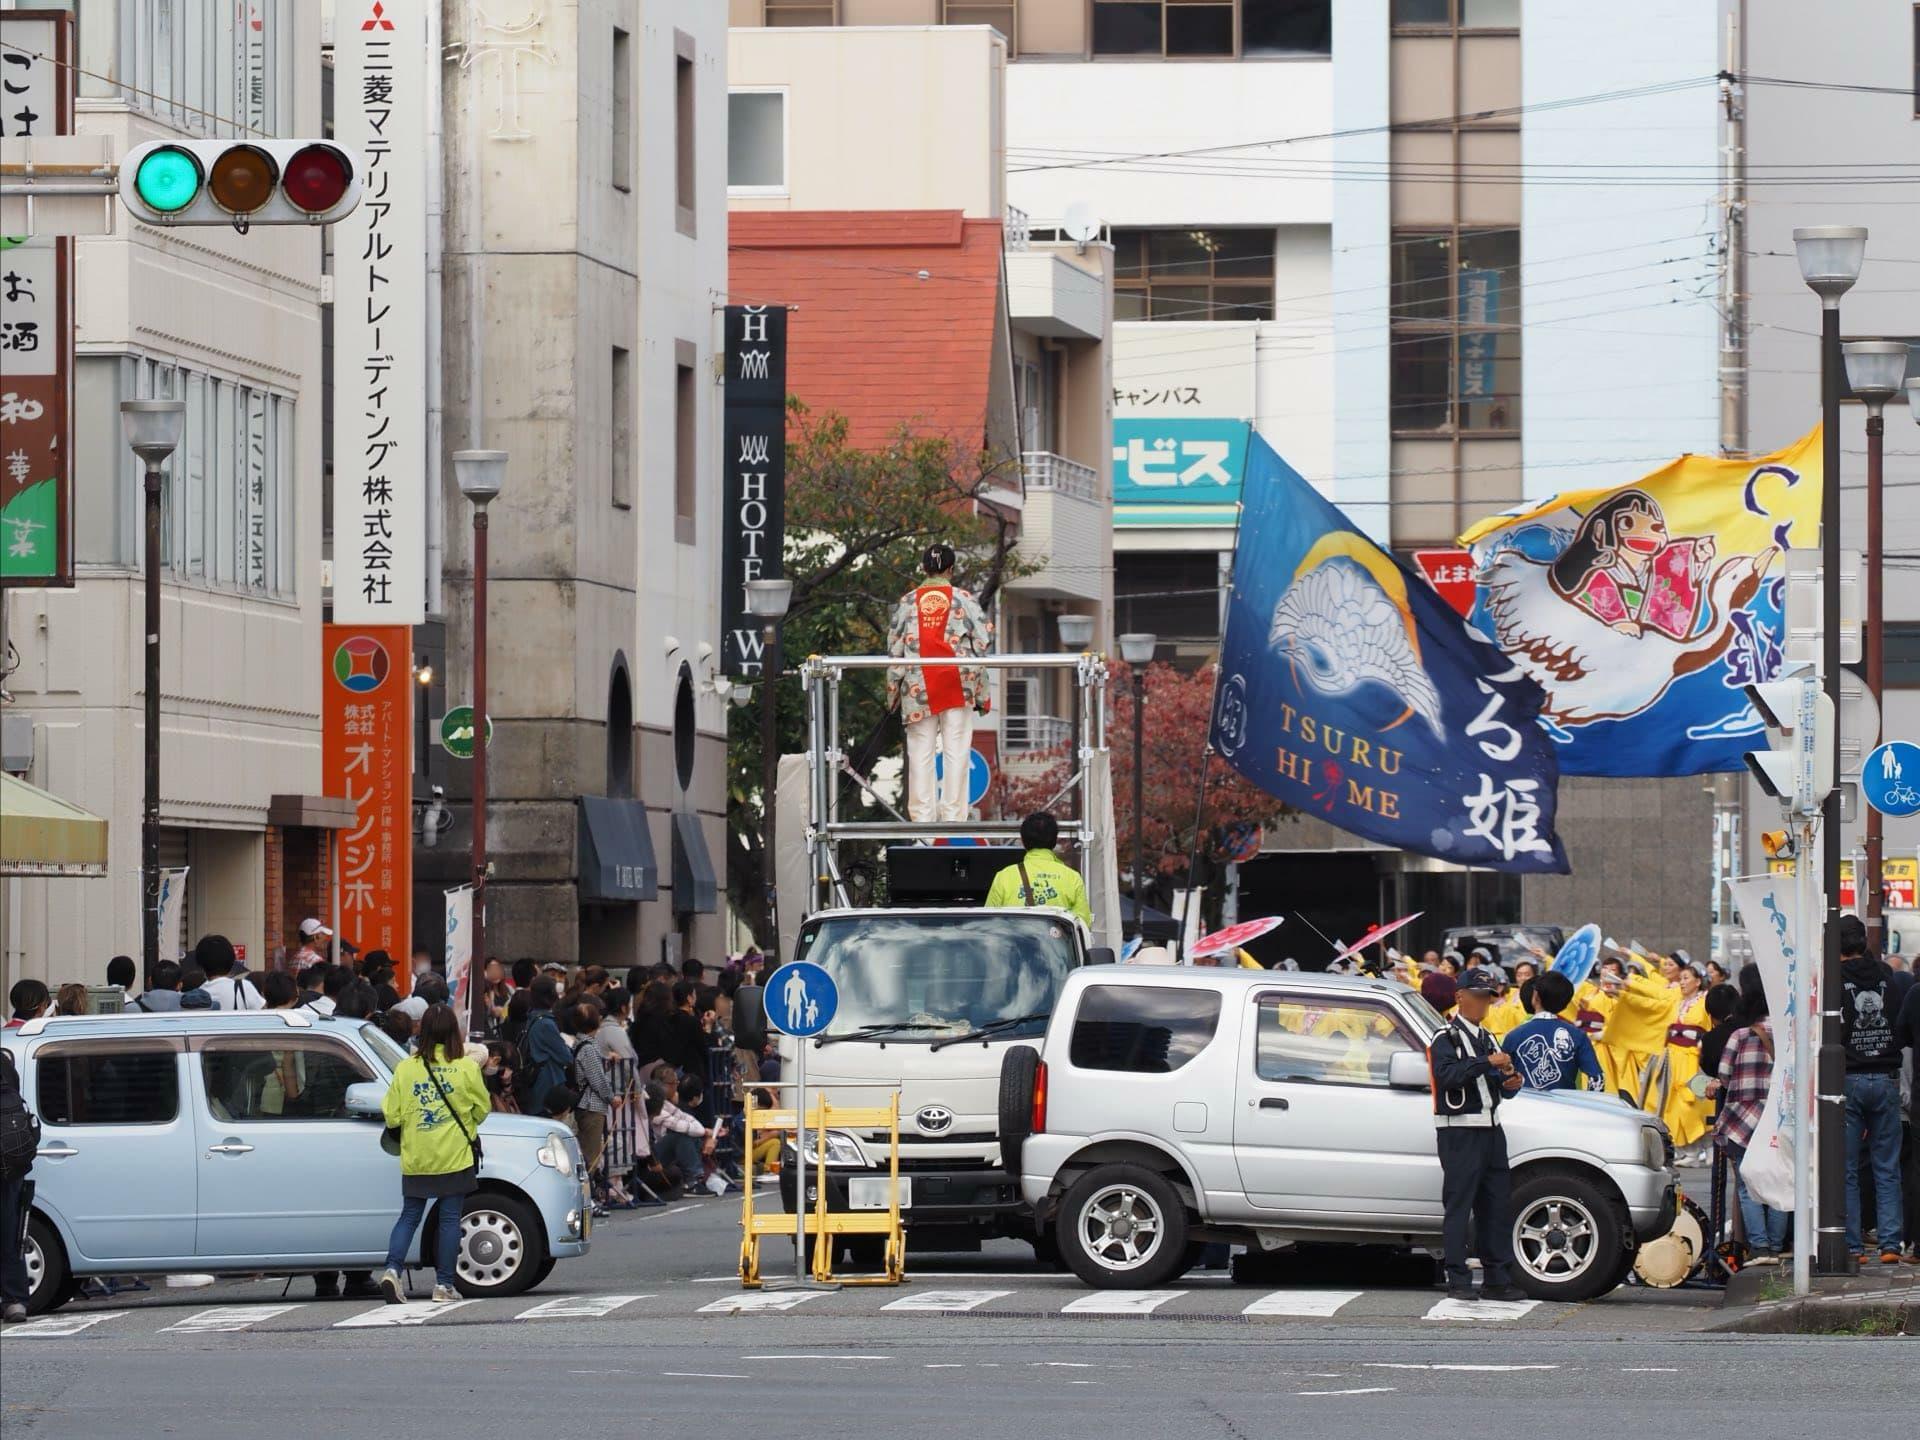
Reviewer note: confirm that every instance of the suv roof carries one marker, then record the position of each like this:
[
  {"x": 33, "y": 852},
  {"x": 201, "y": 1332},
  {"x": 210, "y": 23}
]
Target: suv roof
[{"x": 176, "y": 1019}]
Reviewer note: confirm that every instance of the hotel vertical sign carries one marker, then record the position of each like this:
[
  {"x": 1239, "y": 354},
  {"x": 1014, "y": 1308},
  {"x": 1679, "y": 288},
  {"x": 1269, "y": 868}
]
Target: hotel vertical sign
[{"x": 753, "y": 510}]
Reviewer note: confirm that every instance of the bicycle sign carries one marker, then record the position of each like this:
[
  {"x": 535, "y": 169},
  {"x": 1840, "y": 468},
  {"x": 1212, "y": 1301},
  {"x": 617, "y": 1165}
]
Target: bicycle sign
[{"x": 1890, "y": 779}]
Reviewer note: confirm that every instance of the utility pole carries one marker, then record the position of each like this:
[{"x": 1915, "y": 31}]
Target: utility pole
[{"x": 1733, "y": 239}]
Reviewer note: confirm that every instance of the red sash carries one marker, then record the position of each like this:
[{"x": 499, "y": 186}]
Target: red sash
[
  {"x": 1591, "y": 1021},
  {"x": 1684, "y": 1035},
  {"x": 933, "y": 604}
]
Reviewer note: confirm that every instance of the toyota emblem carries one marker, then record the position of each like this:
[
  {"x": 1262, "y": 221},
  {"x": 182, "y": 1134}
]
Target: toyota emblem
[{"x": 934, "y": 1120}]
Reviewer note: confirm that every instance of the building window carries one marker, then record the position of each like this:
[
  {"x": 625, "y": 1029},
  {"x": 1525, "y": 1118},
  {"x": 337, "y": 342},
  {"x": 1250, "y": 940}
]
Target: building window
[
  {"x": 800, "y": 12},
  {"x": 622, "y": 128},
  {"x": 1901, "y": 658},
  {"x": 1193, "y": 274},
  {"x": 686, "y": 449},
  {"x": 620, "y": 427},
  {"x": 216, "y": 67},
  {"x": 1449, "y": 15},
  {"x": 1456, "y": 331},
  {"x": 683, "y": 136},
  {"x": 972, "y": 12},
  {"x": 757, "y": 141},
  {"x": 1211, "y": 29}
]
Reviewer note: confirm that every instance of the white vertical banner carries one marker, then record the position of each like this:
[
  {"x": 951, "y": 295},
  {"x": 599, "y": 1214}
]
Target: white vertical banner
[
  {"x": 459, "y": 945},
  {"x": 1770, "y": 910},
  {"x": 173, "y": 904},
  {"x": 380, "y": 316}
]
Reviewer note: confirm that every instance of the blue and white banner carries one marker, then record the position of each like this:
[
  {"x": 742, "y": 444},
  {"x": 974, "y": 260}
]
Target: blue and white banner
[{"x": 1351, "y": 691}]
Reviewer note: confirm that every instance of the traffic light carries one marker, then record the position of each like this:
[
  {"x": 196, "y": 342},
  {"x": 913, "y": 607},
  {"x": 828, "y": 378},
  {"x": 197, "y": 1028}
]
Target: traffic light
[
  {"x": 1797, "y": 766},
  {"x": 239, "y": 182}
]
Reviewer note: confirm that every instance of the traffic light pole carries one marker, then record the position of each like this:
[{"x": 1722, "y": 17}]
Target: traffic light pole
[{"x": 1830, "y": 1139}]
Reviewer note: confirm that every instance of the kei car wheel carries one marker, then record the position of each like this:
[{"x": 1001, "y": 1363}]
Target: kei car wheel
[
  {"x": 1123, "y": 1226},
  {"x": 1568, "y": 1237},
  {"x": 48, "y": 1285},
  {"x": 502, "y": 1246}
]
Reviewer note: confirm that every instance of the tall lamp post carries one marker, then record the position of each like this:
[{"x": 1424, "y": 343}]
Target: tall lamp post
[
  {"x": 153, "y": 429},
  {"x": 480, "y": 474},
  {"x": 1076, "y": 635},
  {"x": 1137, "y": 650},
  {"x": 1830, "y": 258},
  {"x": 769, "y": 599},
  {"x": 1876, "y": 371}
]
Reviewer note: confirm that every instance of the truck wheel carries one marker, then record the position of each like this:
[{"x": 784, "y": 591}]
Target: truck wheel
[
  {"x": 1019, "y": 1068},
  {"x": 1568, "y": 1240},
  {"x": 1123, "y": 1226}
]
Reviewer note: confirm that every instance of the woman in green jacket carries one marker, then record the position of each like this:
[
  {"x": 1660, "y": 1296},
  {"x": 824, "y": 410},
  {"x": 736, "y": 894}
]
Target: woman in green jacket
[{"x": 437, "y": 1100}]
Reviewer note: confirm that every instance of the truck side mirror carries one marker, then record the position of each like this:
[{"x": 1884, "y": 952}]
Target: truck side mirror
[
  {"x": 750, "y": 1018},
  {"x": 1100, "y": 955}
]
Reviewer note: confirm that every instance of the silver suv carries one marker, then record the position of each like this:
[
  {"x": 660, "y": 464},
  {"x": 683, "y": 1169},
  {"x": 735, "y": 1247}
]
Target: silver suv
[{"x": 1167, "y": 1108}]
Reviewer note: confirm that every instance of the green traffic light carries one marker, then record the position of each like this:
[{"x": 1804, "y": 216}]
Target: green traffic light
[{"x": 167, "y": 180}]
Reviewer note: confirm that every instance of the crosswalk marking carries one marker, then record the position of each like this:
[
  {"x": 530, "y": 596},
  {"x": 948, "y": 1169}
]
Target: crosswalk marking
[
  {"x": 946, "y": 1300},
  {"x": 52, "y": 1327},
  {"x": 224, "y": 1319},
  {"x": 1120, "y": 1302},
  {"x": 579, "y": 1307},
  {"x": 1302, "y": 1303},
  {"x": 753, "y": 1301},
  {"x": 1481, "y": 1310},
  {"x": 409, "y": 1312}
]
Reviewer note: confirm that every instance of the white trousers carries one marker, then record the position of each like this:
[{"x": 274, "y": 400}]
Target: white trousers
[{"x": 953, "y": 730}]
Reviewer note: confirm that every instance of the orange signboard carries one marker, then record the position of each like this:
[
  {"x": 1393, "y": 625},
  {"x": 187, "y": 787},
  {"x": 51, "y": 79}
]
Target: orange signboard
[{"x": 367, "y": 749}]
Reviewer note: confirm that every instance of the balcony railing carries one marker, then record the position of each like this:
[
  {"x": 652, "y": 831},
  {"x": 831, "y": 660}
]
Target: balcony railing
[
  {"x": 1019, "y": 228},
  {"x": 1043, "y": 470},
  {"x": 1021, "y": 733}
]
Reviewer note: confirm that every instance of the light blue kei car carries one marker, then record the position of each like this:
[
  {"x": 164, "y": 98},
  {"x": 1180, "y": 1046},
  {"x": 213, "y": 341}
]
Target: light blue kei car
[{"x": 250, "y": 1143}]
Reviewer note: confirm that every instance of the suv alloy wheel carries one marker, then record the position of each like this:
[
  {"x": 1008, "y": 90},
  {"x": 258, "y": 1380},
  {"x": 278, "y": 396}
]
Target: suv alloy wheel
[
  {"x": 1568, "y": 1236},
  {"x": 1123, "y": 1226}
]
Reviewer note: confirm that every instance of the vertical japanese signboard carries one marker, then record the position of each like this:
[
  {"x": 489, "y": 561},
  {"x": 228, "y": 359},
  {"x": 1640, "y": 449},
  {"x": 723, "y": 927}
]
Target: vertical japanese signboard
[
  {"x": 36, "y": 307},
  {"x": 380, "y": 317},
  {"x": 367, "y": 756},
  {"x": 753, "y": 512}
]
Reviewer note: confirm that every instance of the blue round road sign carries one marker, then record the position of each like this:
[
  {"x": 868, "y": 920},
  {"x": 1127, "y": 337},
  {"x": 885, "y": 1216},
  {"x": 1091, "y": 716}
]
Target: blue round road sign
[
  {"x": 1891, "y": 778},
  {"x": 800, "y": 999},
  {"x": 979, "y": 775}
]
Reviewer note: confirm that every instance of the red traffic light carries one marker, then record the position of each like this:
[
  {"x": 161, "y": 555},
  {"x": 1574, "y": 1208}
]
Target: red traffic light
[{"x": 316, "y": 178}]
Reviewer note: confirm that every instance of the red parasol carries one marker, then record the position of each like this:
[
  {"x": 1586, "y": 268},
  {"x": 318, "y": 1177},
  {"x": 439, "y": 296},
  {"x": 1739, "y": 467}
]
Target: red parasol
[
  {"x": 1234, "y": 936},
  {"x": 1375, "y": 936}
]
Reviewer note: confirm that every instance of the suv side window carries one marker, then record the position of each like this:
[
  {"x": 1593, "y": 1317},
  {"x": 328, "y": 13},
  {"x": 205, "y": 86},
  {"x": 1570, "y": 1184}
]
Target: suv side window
[
  {"x": 1345, "y": 1042},
  {"x": 1147, "y": 1029},
  {"x": 281, "y": 1080},
  {"x": 107, "y": 1085}
]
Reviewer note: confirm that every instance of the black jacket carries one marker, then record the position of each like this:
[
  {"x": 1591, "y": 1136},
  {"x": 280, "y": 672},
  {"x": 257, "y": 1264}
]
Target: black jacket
[
  {"x": 1456, "y": 1062},
  {"x": 1868, "y": 1000}
]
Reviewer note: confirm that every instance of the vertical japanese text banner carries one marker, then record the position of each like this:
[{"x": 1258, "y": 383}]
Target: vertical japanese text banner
[
  {"x": 380, "y": 318},
  {"x": 459, "y": 945},
  {"x": 36, "y": 324},
  {"x": 367, "y": 756},
  {"x": 754, "y": 464}
]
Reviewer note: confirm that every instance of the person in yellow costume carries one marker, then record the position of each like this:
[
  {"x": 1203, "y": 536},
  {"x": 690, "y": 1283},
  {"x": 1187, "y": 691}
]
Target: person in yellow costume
[
  {"x": 1357, "y": 1027},
  {"x": 1506, "y": 1014},
  {"x": 1686, "y": 1113},
  {"x": 1635, "y": 1033},
  {"x": 1593, "y": 1005}
]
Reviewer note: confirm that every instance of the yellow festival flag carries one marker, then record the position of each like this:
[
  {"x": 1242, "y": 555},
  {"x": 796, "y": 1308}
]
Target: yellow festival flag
[{"x": 1644, "y": 610}]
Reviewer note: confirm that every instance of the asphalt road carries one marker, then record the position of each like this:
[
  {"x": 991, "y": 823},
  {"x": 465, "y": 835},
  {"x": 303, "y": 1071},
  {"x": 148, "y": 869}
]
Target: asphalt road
[{"x": 643, "y": 1333}]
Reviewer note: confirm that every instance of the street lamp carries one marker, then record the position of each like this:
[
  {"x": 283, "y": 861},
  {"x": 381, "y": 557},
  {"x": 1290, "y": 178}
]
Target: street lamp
[
  {"x": 1137, "y": 650},
  {"x": 769, "y": 599},
  {"x": 153, "y": 429},
  {"x": 1876, "y": 371},
  {"x": 1830, "y": 258},
  {"x": 479, "y": 473}
]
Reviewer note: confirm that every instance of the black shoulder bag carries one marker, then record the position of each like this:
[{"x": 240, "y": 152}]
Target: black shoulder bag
[{"x": 473, "y": 1140}]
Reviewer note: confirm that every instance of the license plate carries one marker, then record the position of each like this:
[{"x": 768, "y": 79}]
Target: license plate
[{"x": 875, "y": 1192}]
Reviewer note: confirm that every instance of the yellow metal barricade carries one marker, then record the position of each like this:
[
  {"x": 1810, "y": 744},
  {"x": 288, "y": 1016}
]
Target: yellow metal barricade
[{"x": 824, "y": 1227}]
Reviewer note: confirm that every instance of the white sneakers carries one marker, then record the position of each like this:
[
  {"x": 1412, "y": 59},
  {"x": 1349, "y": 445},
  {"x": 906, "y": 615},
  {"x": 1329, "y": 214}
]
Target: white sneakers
[
  {"x": 391, "y": 1287},
  {"x": 445, "y": 1294}
]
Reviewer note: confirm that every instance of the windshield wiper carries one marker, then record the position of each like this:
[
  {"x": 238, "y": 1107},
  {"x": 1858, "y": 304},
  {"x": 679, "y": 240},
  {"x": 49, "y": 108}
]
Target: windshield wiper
[
  {"x": 874, "y": 1032},
  {"x": 990, "y": 1029}
]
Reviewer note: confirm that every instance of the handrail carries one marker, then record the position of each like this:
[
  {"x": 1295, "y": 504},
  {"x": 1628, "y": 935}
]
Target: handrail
[{"x": 825, "y": 664}]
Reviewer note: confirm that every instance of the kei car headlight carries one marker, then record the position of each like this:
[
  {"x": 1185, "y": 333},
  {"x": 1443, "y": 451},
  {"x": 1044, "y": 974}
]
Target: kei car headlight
[
  {"x": 842, "y": 1149},
  {"x": 556, "y": 1152},
  {"x": 1653, "y": 1147}
]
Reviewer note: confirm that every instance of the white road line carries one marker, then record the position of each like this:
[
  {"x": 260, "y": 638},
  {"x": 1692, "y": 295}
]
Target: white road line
[
  {"x": 816, "y": 1357},
  {"x": 1497, "y": 1369},
  {"x": 1305, "y": 1303},
  {"x": 52, "y": 1327},
  {"x": 944, "y": 1367},
  {"x": 681, "y": 1210},
  {"x": 1482, "y": 1310},
  {"x": 1650, "y": 1370},
  {"x": 408, "y": 1312},
  {"x": 946, "y": 1300},
  {"x": 702, "y": 1375},
  {"x": 225, "y": 1319},
  {"x": 1367, "y": 1390},
  {"x": 756, "y": 1300},
  {"x": 1120, "y": 1302},
  {"x": 579, "y": 1307}
]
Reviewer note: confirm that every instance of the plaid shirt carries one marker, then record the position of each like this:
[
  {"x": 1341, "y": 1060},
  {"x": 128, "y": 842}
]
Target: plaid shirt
[{"x": 1746, "y": 1070}]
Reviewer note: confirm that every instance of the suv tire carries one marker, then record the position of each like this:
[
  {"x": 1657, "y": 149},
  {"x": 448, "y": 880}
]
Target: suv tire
[
  {"x": 1568, "y": 1236},
  {"x": 1019, "y": 1068},
  {"x": 1123, "y": 1227}
]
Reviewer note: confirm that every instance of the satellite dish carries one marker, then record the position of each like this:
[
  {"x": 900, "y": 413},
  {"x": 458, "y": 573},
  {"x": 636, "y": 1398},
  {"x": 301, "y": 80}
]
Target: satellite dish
[{"x": 1080, "y": 223}]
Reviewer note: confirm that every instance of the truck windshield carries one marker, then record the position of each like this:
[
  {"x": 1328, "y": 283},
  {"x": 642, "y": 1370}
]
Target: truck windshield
[{"x": 922, "y": 977}]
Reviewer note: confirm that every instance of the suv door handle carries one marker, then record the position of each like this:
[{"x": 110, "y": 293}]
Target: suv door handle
[
  {"x": 1273, "y": 1102},
  {"x": 56, "y": 1152},
  {"x": 232, "y": 1147}
]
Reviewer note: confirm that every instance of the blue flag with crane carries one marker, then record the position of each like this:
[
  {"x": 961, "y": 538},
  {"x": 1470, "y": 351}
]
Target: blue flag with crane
[{"x": 1349, "y": 689}]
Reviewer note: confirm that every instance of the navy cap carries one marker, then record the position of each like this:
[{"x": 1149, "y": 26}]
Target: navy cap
[{"x": 1484, "y": 981}]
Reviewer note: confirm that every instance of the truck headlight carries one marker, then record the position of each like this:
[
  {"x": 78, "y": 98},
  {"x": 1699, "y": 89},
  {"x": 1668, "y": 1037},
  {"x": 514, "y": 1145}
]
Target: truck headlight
[
  {"x": 842, "y": 1150},
  {"x": 556, "y": 1152},
  {"x": 1653, "y": 1147}
]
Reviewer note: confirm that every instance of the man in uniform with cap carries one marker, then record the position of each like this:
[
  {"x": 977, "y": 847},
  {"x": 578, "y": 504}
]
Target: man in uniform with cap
[{"x": 1470, "y": 1076}]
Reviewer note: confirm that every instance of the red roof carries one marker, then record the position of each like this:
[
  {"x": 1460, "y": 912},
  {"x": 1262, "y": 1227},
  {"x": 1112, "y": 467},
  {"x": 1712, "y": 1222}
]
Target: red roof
[{"x": 869, "y": 338}]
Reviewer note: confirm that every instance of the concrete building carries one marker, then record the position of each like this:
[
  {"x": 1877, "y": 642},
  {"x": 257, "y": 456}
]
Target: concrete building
[
  {"x": 585, "y": 191},
  {"x": 232, "y": 326}
]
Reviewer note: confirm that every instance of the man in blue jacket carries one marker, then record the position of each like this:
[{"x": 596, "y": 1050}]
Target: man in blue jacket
[
  {"x": 1548, "y": 1052},
  {"x": 1470, "y": 1076}
]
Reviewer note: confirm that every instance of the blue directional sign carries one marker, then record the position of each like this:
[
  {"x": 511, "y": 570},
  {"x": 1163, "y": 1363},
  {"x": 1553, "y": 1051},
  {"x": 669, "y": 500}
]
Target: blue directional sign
[
  {"x": 1891, "y": 778},
  {"x": 800, "y": 999},
  {"x": 979, "y": 775}
]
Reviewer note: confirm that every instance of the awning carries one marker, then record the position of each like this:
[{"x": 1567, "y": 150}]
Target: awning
[
  {"x": 41, "y": 834},
  {"x": 695, "y": 889},
  {"x": 1155, "y": 924},
  {"x": 616, "y": 851}
]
